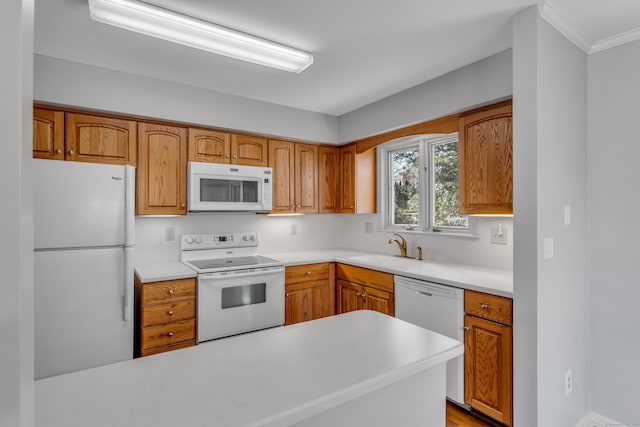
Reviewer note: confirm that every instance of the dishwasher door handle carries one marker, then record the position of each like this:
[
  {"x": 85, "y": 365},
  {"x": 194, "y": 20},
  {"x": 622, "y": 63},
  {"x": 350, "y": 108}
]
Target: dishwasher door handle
[{"x": 424, "y": 293}]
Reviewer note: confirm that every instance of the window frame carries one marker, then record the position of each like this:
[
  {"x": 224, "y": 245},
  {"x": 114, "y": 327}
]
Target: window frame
[{"x": 424, "y": 144}]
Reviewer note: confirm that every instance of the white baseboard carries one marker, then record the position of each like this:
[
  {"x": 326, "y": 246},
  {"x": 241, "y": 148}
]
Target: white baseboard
[{"x": 597, "y": 420}]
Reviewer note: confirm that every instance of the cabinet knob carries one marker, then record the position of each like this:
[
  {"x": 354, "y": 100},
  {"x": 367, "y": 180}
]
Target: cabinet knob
[
  {"x": 299, "y": 206},
  {"x": 227, "y": 156},
  {"x": 170, "y": 291},
  {"x": 466, "y": 329},
  {"x": 287, "y": 295},
  {"x": 170, "y": 312},
  {"x": 183, "y": 205},
  {"x": 70, "y": 152},
  {"x": 351, "y": 207},
  {"x": 235, "y": 156},
  {"x": 58, "y": 151},
  {"x": 484, "y": 306},
  {"x": 308, "y": 273},
  {"x": 170, "y": 334}
]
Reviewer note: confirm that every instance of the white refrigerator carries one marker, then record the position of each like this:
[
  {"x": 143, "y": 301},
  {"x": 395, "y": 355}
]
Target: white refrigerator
[{"x": 83, "y": 265}]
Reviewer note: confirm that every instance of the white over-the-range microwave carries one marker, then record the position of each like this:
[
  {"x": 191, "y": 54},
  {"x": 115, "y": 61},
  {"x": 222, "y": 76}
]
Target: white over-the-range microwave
[{"x": 224, "y": 187}]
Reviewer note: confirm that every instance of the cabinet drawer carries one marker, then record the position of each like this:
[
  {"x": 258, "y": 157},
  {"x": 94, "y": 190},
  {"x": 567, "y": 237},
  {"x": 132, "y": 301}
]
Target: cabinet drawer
[
  {"x": 491, "y": 307},
  {"x": 364, "y": 276},
  {"x": 157, "y": 314},
  {"x": 306, "y": 273},
  {"x": 168, "y": 290},
  {"x": 170, "y": 333},
  {"x": 162, "y": 349}
]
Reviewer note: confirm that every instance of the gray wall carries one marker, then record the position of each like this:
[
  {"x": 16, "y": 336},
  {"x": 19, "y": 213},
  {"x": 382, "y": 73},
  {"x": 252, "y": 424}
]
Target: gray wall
[
  {"x": 550, "y": 164},
  {"x": 614, "y": 150},
  {"x": 478, "y": 83},
  {"x": 16, "y": 244},
  {"x": 70, "y": 83}
]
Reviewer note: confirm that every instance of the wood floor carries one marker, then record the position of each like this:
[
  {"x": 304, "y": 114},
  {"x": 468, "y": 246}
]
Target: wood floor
[{"x": 459, "y": 417}]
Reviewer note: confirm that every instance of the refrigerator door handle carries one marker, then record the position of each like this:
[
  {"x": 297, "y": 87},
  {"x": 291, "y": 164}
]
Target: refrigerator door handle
[
  {"x": 130, "y": 205},
  {"x": 128, "y": 283}
]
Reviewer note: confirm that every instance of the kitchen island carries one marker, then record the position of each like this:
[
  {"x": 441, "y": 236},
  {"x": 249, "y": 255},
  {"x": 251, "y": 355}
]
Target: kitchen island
[{"x": 359, "y": 368}]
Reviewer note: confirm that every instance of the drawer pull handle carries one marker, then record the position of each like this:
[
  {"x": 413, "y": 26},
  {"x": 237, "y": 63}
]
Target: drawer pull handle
[
  {"x": 170, "y": 291},
  {"x": 466, "y": 329},
  {"x": 170, "y": 334},
  {"x": 170, "y": 312},
  {"x": 484, "y": 306},
  {"x": 308, "y": 273}
]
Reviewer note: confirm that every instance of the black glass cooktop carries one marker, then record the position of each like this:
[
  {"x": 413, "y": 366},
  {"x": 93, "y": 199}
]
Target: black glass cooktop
[{"x": 252, "y": 261}]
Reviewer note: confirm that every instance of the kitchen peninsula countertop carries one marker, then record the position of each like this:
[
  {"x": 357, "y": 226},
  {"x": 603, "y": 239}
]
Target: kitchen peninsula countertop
[
  {"x": 492, "y": 281},
  {"x": 275, "y": 377}
]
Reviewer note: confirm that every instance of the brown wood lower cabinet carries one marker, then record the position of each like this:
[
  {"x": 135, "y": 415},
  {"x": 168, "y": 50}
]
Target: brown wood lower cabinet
[
  {"x": 309, "y": 292},
  {"x": 488, "y": 355},
  {"x": 363, "y": 289},
  {"x": 165, "y": 316}
]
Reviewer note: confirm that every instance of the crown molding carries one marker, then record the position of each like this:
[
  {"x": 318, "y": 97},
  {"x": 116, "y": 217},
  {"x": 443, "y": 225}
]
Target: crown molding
[{"x": 549, "y": 14}]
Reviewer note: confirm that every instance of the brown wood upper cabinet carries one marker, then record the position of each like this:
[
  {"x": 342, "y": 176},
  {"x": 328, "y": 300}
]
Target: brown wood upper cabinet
[
  {"x": 161, "y": 184},
  {"x": 328, "y": 178},
  {"x": 295, "y": 177},
  {"x": 83, "y": 137},
  {"x": 486, "y": 160},
  {"x": 210, "y": 145},
  {"x": 357, "y": 192},
  {"x": 48, "y": 134}
]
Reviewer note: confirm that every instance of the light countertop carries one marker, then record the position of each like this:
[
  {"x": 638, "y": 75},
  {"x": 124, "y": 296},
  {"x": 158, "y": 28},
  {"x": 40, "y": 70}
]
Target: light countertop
[
  {"x": 274, "y": 377},
  {"x": 496, "y": 282},
  {"x": 167, "y": 271}
]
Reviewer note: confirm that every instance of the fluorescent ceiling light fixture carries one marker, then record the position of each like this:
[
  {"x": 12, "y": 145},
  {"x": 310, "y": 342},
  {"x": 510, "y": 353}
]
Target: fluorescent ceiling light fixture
[{"x": 165, "y": 24}]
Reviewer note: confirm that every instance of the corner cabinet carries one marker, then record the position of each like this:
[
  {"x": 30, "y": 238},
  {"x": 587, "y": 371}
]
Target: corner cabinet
[
  {"x": 309, "y": 292},
  {"x": 488, "y": 349},
  {"x": 363, "y": 289},
  {"x": 358, "y": 188},
  {"x": 486, "y": 160},
  {"x": 161, "y": 184}
]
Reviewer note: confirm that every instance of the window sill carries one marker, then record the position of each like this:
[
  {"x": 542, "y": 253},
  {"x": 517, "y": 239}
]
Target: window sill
[{"x": 430, "y": 233}]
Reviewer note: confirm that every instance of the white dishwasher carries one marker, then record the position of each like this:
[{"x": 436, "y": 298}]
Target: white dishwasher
[{"x": 438, "y": 308}]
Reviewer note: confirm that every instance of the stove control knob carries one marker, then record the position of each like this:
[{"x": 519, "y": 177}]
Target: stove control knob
[
  {"x": 253, "y": 238},
  {"x": 245, "y": 238},
  {"x": 189, "y": 240},
  {"x": 198, "y": 240}
]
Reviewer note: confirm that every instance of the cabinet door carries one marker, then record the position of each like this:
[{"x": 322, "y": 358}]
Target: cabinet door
[
  {"x": 488, "y": 367},
  {"x": 347, "y": 197},
  {"x": 207, "y": 145},
  {"x": 161, "y": 184},
  {"x": 306, "y": 178},
  {"x": 248, "y": 150},
  {"x": 328, "y": 182},
  {"x": 48, "y": 134},
  {"x": 486, "y": 161},
  {"x": 348, "y": 297},
  {"x": 100, "y": 139},
  {"x": 382, "y": 301},
  {"x": 307, "y": 301},
  {"x": 281, "y": 159}
]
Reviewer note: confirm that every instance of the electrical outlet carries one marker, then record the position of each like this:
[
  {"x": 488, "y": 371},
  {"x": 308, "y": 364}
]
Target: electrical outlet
[
  {"x": 294, "y": 229},
  {"x": 368, "y": 228},
  {"x": 170, "y": 234},
  {"x": 568, "y": 382},
  {"x": 499, "y": 235}
]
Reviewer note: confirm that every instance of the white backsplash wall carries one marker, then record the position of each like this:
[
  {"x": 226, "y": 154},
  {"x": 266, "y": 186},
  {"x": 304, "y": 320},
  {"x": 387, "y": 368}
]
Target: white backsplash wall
[
  {"x": 451, "y": 249},
  {"x": 274, "y": 232}
]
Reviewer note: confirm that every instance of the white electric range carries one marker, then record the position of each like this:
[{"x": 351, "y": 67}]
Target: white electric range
[{"x": 238, "y": 290}]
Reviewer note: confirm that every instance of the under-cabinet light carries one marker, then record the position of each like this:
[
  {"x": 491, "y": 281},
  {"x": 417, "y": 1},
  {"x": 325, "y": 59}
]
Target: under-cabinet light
[{"x": 165, "y": 24}]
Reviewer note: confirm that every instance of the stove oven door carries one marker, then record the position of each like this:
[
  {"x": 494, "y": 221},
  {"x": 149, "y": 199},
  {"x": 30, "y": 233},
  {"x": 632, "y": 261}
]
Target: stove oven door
[{"x": 234, "y": 302}]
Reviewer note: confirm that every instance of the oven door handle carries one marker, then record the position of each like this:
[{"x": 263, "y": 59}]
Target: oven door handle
[{"x": 260, "y": 272}]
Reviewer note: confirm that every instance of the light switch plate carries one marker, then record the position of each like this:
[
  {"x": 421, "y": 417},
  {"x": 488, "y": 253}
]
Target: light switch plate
[
  {"x": 170, "y": 234},
  {"x": 368, "y": 228},
  {"x": 548, "y": 248},
  {"x": 499, "y": 235}
]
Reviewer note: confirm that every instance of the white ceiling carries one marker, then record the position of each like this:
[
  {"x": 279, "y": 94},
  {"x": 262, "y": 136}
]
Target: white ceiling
[{"x": 364, "y": 50}]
